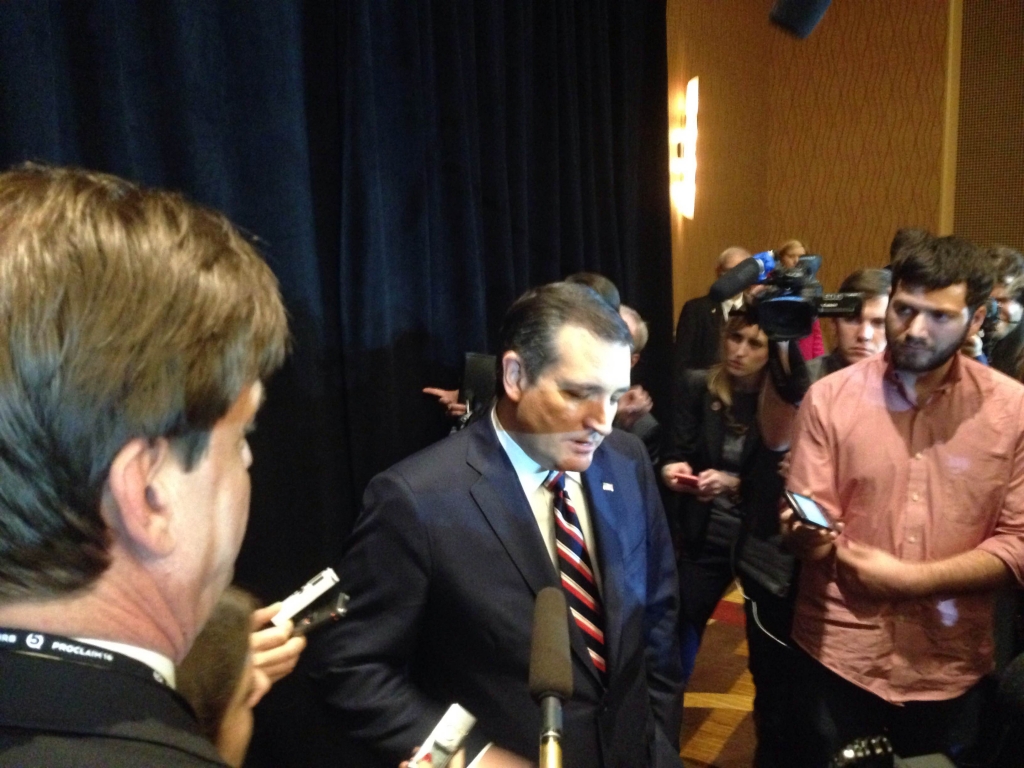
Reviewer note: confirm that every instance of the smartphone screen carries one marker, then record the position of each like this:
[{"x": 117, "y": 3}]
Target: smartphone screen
[{"x": 808, "y": 510}]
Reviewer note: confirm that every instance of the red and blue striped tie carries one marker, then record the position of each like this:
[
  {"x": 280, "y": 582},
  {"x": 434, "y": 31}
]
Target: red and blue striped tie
[{"x": 577, "y": 574}]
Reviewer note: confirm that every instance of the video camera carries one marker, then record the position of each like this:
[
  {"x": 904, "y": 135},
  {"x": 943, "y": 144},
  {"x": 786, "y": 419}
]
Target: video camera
[{"x": 791, "y": 298}]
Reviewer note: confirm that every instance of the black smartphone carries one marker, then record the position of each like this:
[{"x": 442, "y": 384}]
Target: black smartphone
[{"x": 809, "y": 511}]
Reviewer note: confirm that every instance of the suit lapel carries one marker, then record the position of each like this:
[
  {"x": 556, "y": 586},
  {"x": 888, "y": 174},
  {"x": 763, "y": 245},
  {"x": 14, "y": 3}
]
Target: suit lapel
[
  {"x": 499, "y": 495},
  {"x": 605, "y": 519}
]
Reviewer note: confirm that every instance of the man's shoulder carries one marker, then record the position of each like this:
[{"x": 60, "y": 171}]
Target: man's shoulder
[
  {"x": 92, "y": 716},
  {"x": 699, "y": 304},
  {"x": 439, "y": 464}
]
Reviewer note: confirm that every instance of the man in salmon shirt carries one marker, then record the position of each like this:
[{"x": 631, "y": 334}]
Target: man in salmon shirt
[{"x": 918, "y": 457}]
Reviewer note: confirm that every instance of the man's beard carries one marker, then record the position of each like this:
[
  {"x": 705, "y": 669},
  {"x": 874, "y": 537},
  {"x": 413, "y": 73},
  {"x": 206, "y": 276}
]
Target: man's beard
[{"x": 915, "y": 358}]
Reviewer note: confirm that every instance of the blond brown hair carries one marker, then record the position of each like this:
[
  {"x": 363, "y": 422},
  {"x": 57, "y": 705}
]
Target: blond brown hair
[{"x": 124, "y": 313}]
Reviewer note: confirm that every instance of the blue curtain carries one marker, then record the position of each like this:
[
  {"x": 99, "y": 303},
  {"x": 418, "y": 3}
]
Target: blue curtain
[{"x": 409, "y": 167}]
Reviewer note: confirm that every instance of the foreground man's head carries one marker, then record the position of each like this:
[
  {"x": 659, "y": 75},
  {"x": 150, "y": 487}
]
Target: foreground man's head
[{"x": 135, "y": 331}]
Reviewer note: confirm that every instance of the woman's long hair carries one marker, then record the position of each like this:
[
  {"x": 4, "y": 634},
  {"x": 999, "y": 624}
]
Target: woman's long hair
[{"x": 720, "y": 381}]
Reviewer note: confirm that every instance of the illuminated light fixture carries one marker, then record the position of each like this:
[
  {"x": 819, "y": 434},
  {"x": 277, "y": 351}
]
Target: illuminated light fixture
[{"x": 682, "y": 165}]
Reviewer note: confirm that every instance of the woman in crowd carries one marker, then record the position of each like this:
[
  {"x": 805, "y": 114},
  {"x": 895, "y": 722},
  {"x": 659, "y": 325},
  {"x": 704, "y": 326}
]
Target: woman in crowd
[
  {"x": 713, "y": 437},
  {"x": 788, "y": 256}
]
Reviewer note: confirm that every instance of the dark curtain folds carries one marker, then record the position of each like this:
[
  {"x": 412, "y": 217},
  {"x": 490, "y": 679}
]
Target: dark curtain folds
[{"x": 408, "y": 167}]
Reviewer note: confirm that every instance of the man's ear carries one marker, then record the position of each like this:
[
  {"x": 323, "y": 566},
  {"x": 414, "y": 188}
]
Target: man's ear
[
  {"x": 977, "y": 320},
  {"x": 137, "y": 485},
  {"x": 634, "y": 359},
  {"x": 513, "y": 375}
]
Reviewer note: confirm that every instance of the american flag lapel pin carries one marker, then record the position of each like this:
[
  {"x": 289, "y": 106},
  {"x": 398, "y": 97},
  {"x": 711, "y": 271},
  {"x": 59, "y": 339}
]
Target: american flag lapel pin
[{"x": 608, "y": 487}]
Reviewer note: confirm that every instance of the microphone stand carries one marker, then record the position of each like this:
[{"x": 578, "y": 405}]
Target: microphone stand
[{"x": 551, "y": 732}]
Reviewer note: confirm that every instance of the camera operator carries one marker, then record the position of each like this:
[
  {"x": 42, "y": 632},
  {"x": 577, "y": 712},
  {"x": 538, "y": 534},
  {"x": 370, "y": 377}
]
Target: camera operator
[{"x": 917, "y": 456}]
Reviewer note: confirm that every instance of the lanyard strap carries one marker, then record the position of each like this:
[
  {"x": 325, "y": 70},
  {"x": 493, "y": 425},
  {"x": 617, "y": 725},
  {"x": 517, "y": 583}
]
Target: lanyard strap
[{"x": 61, "y": 648}]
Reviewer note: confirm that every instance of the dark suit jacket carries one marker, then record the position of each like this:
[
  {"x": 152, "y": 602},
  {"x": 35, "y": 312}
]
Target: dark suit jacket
[
  {"x": 443, "y": 568},
  {"x": 698, "y": 335},
  {"x": 59, "y": 713},
  {"x": 696, "y": 437}
]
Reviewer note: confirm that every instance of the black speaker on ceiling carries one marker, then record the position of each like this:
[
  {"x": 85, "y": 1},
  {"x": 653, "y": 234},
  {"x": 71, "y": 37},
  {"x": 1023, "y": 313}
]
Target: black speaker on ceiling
[{"x": 798, "y": 17}]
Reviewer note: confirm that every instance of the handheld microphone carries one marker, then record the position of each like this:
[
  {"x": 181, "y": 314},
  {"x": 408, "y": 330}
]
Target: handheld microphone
[
  {"x": 742, "y": 276},
  {"x": 550, "y": 670}
]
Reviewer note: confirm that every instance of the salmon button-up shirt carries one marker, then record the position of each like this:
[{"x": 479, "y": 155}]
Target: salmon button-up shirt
[{"x": 923, "y": 482}]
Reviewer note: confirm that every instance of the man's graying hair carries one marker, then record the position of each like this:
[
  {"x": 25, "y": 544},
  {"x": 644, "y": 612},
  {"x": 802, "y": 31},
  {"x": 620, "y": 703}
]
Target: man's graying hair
[
  {"x": 534, "y": 319},
  {"x": 125, "y": 313}
]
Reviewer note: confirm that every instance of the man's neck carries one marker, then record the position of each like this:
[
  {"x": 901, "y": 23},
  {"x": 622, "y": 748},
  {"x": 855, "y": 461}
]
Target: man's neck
[
  {"x": 103, "y": 611},
  {"x": 920, "y": 386}
]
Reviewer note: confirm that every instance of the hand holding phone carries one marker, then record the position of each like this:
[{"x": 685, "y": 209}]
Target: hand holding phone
[{"x": 809, "y": 511}]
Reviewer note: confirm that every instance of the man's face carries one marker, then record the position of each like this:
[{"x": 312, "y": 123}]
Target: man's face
[
  {"x": 211, "y": 503},
  {"x": 1010, "y": 310},
  {"x": 860, "y": 337},
  {"x": 926, "y": 328},
  {"x": 562, "y": 417}
]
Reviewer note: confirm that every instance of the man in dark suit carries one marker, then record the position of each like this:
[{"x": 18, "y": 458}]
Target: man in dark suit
[
  {"x": 136, "y": 330},
  {"x": 454, "y": 543},
  {"x": 699, "y": 330}
]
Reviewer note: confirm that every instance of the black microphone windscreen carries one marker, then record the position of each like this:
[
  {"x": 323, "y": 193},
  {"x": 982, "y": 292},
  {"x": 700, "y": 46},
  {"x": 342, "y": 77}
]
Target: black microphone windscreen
[
  {"x": 798, "y": 17},
  {"x": 736, "y": 280},
  {"x": 550, "y": 663}
]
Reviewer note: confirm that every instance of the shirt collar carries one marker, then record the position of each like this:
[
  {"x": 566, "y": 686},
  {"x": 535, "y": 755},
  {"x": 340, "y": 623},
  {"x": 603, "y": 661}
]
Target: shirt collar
[
  {"x": 155, "y": 661},
  {"x": 531, "y": 474},
  {"x": 953, "y": 375}
]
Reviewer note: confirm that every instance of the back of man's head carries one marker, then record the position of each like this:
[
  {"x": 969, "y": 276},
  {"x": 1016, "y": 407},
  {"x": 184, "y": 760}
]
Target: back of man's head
[
  {"x": 939, "y": 262},
  {"x": 604, "y": 287},
  {"x": 125, "y": 313},
  {"x": 729, "y": 258},
  {"x": 534, "y": 319}
]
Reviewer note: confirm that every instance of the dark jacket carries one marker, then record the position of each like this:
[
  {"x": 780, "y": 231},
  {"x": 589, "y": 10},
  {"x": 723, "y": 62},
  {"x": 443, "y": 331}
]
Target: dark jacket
[
  {"x": 61, "y": 713},
  {"x": 444, "y": 565}
]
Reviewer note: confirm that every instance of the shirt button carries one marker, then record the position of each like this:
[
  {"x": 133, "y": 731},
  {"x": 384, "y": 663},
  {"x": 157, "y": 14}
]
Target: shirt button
[
  {"x": 917, "y": 455},
  {"x": 915, "y": 497},
  {"x": 912, "y": 539}
]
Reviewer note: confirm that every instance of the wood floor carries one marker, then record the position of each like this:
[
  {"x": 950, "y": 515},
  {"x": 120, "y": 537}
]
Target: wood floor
[{"x": 718, "y": 730}]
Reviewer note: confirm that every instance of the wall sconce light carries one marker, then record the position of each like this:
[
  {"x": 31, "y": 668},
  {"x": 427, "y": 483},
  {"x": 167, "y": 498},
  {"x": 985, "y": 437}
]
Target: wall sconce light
[{"x": 682, "y": 165}]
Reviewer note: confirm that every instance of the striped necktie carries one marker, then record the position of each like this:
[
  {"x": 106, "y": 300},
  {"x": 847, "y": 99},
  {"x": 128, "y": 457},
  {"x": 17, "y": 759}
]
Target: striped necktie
[{"x": 577, "y": 574}]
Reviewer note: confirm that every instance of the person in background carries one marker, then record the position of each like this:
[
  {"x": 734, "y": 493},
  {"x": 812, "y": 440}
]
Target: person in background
[
  {"x": 634, "y": 413},
  {"x": 714, "y": 435},
  {"x": 861, "y": 336},
  {"x": 124, "y": 462},
  {"x": 788, "y": 256},
  {"x": 218, "y": 677},
  {"x": 1006, "y": 347},
  {"x": 699, "y": 330}
]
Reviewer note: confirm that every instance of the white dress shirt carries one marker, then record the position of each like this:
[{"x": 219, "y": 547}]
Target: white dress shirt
[{"x": 532, "y": 476}]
